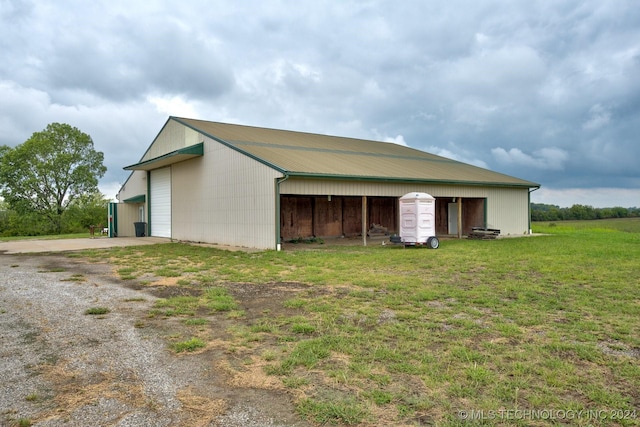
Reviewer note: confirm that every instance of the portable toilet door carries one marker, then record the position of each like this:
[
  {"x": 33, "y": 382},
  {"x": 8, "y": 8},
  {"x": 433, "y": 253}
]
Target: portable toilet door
[{"x": 418, "y": 220}]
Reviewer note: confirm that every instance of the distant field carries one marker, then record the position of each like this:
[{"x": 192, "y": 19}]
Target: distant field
[
  {"x": 629, "y": 225},
  {"x": 383, "y": 335}
]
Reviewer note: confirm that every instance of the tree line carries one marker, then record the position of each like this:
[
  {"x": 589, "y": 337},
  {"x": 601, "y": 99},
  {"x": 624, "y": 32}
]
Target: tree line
[
  {"x": 544, "y": 212},
  {"x": 49, "y": 184}
]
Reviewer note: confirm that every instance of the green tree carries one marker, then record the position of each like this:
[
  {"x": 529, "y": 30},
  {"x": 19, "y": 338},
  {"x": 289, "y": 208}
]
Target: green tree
[
  {"x": 581, "y": 212},
  {"x": 49, "y": 171},
  {"x": 87, "y": 210}
]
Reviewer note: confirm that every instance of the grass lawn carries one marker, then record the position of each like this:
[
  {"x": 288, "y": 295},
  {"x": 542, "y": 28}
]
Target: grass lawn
[{"x": 520, "y": 331}]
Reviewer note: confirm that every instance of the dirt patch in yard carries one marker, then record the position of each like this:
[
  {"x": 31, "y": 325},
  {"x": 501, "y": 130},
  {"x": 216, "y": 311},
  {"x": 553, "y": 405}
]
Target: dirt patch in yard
[{"x": 63, "y": 367}]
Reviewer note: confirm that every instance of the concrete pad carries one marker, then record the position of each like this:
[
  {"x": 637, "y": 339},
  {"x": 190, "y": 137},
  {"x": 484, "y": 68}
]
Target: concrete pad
[{"x": 62, "y": 245}]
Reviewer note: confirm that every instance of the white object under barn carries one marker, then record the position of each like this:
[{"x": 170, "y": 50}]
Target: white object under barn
[{"x": 418, "y": 220}]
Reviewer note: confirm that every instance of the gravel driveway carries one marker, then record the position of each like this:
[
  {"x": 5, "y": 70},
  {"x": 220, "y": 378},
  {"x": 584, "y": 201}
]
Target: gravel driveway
[{"x": 62, "y": 367}]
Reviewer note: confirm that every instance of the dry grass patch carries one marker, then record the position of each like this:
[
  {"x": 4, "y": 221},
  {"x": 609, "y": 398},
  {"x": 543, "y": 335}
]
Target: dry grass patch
[
  {"x": 250, "y": 375},
  {"x": 201, "y": 411},
  {"x": 73, "y": 391}
]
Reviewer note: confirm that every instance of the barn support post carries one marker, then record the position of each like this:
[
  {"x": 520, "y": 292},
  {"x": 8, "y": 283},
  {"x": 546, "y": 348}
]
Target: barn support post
[
  {"x": 314, "y": 233},
  {"x": 364, "y": 220},
  {"x": 278, "y": 181},
  {"x": 529, "y": 231},
  {"x": 459, "y": 217},
  {"x": 149, "y": 224}
]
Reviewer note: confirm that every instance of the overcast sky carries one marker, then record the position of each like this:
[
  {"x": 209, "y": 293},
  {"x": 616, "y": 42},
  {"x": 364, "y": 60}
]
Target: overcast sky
[{"x": 547, "y": 91}]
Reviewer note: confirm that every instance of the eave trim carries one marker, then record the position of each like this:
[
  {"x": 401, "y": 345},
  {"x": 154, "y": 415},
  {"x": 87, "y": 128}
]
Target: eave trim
[
  {"x": 140, "y": 198},
  {"x": 524, "y": 184},
  {"x": 176, "y": 156}
]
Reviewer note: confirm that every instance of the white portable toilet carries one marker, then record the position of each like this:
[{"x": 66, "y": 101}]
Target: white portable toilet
[{"x": 418, "y": 220}]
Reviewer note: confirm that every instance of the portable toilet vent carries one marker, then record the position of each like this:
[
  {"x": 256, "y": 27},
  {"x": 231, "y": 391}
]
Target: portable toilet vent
[{"x": 418, "y": 220}]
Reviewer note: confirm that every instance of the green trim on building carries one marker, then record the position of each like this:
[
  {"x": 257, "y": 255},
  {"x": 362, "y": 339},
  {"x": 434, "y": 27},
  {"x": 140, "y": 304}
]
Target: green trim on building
[
  {"x": 409, "y": 180},
  {"x": 149, "y": 203},
  {"x": 176, "y": 156},
  {"x": 113, "y": 219},
  {"x": 140, "y": 198}
]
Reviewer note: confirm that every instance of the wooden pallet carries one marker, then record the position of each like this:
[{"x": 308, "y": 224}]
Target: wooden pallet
[{"x": 483, "y": 233}]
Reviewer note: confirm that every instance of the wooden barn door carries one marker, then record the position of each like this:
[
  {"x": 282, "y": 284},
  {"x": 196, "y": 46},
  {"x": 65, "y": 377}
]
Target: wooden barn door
[
  {"x": 296, "y": 217},
  {"x": 327, "y": 218},
  {"x": 352, "y": 216}
]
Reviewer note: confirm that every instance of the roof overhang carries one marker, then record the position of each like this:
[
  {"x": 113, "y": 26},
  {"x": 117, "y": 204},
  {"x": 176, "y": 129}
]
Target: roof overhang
[
  {"x": 176, "y": 156},
  {"x": 141, "y": 198},
  {"x": 306, "y": 175}
]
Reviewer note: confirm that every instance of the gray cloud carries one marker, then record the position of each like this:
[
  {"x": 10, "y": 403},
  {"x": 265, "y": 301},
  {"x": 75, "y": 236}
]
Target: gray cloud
[
  {"x": 137, "y": 61},
  {"x": 546, "y": 91}
]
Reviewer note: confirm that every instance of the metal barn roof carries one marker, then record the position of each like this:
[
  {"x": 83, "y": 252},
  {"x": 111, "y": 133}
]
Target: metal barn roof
[{"x": 325, "y": 156}]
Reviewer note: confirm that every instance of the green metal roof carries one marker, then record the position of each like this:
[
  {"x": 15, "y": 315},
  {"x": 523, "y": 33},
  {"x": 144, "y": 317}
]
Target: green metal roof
[
  {"x": 141, "y": 198},
  {"x": 325, "y": 156},
  {"x": 176, "y": 156}
]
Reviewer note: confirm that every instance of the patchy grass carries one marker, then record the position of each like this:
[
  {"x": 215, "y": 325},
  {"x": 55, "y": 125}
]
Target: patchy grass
[
  {"x": 135, "y": 299},
  {"x": 333, "y": 410},
  {"x": 388, "y": 335},
  {"x": 75, "y": 278},
  {"x": 127, "y": 273},
  {"x": 189, "y": 346},
  {"x": 52, "y": 270},
  {"x": 218, "y": 299},
  {"x": 195, "y": 322},
  {"x": 212, "y": 299},
  {"x": 96, "y": 311},
  {"x": 177, "y": 306}
]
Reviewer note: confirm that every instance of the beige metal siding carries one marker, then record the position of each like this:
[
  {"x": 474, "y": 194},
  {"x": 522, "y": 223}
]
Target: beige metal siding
[
  {"x": 371, "y": 188},
  {"x": 173, "y": 136},
  {"x": 224, "y": 197},
  {"x": 135, "y": 186},
  {"x": 127, "y": 215},
  {"x": 508, "y": 210},
  {"x": 507, "y": 207}
]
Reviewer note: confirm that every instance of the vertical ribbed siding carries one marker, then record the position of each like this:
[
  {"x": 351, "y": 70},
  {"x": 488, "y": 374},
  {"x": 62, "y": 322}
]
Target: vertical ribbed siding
[
  {"x": 127, "y": 215},
  {"x": 508, "y": 210},
  {"x": 127, "y": 212},
  {"x": 173, "y": 136},
  {"x": 135, "y": 186},
  {"x": 224, "y": 197},
  {"x": 371, "y": 188},
  {"x": 507, "y": 207},
  {"x": 160, "y": 200}
]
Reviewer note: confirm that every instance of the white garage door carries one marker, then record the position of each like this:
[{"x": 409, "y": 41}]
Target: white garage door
[{"x": 161, "y": 202}]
